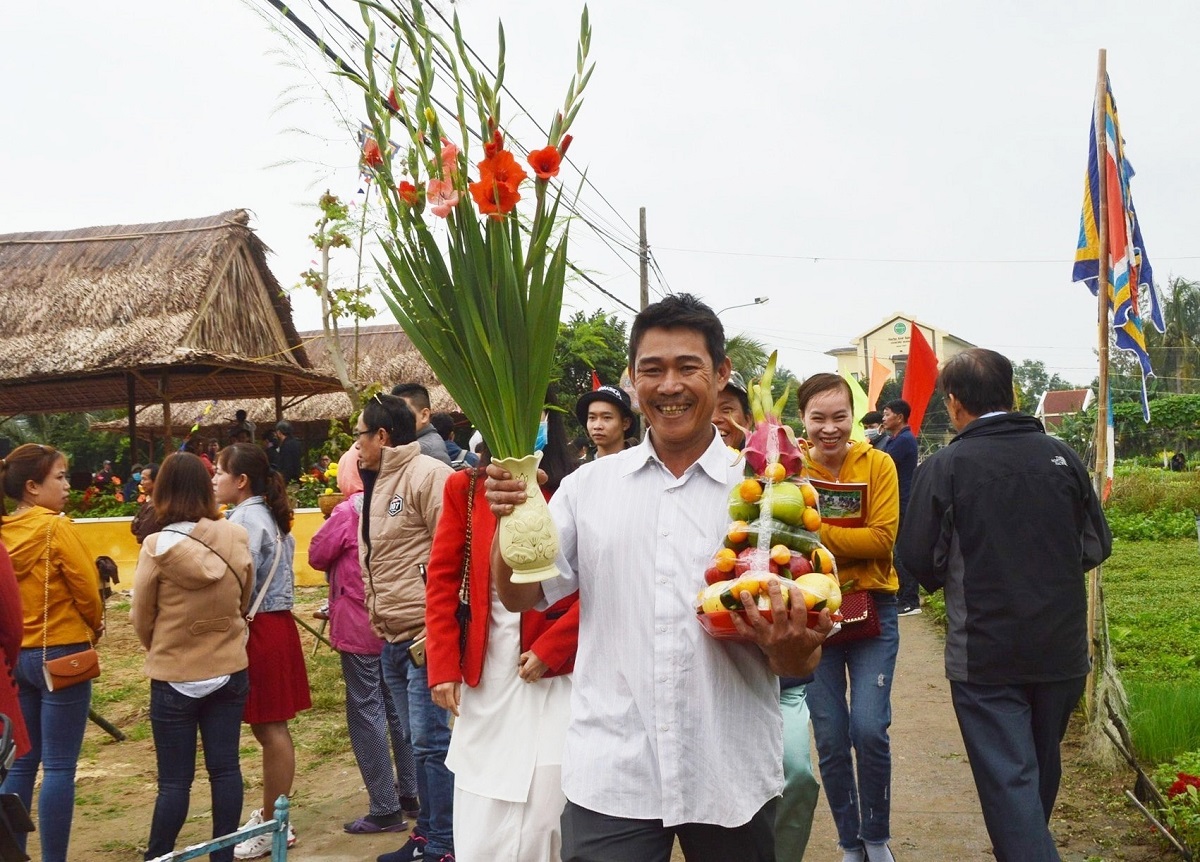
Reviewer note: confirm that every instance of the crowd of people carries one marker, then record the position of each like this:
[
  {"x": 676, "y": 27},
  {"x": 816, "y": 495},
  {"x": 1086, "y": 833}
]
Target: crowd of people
[{"x": 587, "y": 717}]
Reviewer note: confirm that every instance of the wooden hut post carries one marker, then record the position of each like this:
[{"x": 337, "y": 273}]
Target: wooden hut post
[
  {"x": 130, "y": 391},
  {"x": 278, "y": 399},
  {"x": 165, "y": 390}
]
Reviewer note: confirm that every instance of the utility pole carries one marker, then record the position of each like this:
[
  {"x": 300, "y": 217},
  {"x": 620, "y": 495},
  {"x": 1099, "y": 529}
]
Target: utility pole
[{"x": 644, "y": 258}]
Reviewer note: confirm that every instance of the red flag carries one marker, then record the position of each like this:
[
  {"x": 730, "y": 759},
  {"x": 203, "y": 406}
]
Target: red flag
[
  {"x": 595, "y": 380},
  {"x": 920, "y": 377}
]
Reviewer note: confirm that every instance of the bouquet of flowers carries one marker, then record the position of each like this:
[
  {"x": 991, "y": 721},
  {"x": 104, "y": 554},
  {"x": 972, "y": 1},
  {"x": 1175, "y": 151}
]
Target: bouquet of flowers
[{"x": 477, "y": 287}]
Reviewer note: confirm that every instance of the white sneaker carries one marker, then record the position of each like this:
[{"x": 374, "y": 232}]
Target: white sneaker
[{"x": 259, "y": 845}]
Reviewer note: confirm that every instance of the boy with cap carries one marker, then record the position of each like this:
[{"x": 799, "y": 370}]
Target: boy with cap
[{"x": 607, "y": 416}]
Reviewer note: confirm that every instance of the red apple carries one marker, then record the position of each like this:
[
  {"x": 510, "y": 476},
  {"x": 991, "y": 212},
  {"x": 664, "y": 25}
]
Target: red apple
[
  {"x": 711, "y": 575},
  {"x": 799, "y": 565}
]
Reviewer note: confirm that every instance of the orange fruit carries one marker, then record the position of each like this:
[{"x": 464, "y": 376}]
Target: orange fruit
[
  {"x": 809, "y": 493},
  {"x": 725, "y": 559},
  {"x": 775, "y": 472},
  {"x": 750, "y": 490},
  {"x": 822, "y": 561},
  {"x": 811, "y": 519},
  {"x": 739, "y": 531},
  {"x": 781, "y": 554}
]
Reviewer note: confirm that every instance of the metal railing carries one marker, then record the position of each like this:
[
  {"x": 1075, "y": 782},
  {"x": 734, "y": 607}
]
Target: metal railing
[{"x": 277, "y": 829}]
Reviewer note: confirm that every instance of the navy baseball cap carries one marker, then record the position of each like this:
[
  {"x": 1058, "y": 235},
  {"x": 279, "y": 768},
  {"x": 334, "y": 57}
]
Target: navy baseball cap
[{"x": 611, "y": 394}]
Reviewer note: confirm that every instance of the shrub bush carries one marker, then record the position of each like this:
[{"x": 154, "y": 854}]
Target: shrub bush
[
  {"x": 1153, "y": 525},
  {"x": 1137, "y": 490},
  {"x": 1149, "y": 503}
]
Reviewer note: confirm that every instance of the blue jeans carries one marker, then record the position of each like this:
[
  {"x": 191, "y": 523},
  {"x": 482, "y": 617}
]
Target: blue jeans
[
  {"x": 429, "y": 729},
  {"x": 1012, "y": 734},
  {"x": 794, "y": 813},
  {"x": 175, "y": 718},
  {"x": 861, "y": 809},
  {"x": 56, "y": 721}
]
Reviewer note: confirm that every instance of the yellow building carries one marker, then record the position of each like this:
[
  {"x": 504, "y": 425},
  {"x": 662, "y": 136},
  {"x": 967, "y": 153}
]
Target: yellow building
[{"x": 887, "y": 343}]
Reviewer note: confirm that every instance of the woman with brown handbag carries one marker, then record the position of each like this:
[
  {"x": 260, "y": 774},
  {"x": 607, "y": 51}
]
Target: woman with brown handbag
[
  {"x": 63, "y": 616},
  {"x": 191, "y": 592}
]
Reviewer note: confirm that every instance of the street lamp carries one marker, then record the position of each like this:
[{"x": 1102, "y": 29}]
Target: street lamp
[{"x": 758, "y": 300}]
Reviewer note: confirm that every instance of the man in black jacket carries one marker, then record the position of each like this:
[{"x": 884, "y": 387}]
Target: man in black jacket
[{"x": 1005, "y": 519}]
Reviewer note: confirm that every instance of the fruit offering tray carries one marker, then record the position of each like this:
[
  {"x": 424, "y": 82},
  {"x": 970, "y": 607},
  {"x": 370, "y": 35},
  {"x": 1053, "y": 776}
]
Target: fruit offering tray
[{"x": 774, "y": 531}]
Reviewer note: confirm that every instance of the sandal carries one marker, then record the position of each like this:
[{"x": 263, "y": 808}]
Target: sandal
[{"x": 374, "y": 823}]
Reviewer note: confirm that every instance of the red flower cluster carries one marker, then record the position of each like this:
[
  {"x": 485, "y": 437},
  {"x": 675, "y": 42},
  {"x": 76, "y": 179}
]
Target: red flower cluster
[
  {"x": 408, "y": 193},
  {"x": 545, "y": 162},
  {"x": 496, "y": 192},
  {"x": 371, "y": 156},
  {"x": 1182, "y": 782}
]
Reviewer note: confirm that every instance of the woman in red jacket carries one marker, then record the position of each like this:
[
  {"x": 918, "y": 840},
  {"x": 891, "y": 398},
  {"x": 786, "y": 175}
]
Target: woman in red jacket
[
  {"x": 506, "y": 749},
  {"x": 11, "y": 629}
]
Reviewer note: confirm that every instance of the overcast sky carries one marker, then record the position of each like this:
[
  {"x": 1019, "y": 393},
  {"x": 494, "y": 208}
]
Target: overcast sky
[{"x": 847, "y": 160}]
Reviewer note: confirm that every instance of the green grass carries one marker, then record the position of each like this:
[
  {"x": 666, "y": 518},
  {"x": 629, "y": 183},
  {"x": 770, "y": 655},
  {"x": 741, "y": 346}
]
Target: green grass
[
  {"x": 1164, "y": 718},
  {"x": 1152, "y": 592}
]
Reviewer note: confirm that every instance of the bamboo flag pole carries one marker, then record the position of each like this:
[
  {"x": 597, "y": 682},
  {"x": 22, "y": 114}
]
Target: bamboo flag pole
[{"x": 1102, "y": 288}]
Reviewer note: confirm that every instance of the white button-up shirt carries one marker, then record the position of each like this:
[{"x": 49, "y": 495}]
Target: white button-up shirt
[{"x": 666, "y": 722}]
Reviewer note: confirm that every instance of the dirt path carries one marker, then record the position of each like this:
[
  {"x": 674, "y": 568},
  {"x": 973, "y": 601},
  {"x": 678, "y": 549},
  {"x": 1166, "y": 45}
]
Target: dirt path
[{"x": 935, "y": 812}]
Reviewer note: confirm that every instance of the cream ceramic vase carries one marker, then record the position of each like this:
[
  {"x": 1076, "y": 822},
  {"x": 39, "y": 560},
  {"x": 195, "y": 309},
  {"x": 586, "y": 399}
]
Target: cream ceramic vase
[{"x": 528, "y": 538}]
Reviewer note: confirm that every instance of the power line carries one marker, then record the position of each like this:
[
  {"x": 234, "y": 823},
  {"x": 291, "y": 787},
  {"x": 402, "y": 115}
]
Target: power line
[{"x": 818, "y": 258}]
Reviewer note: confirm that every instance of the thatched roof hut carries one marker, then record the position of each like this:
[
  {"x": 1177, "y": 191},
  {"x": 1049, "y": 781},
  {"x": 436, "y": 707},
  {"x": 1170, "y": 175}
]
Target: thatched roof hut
[
  {"x": 381, "y": 355},
  {"x": 106, "y": 317}
]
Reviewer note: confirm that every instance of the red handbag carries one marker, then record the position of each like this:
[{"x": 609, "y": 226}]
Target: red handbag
[{"x": 860, "y": 619}]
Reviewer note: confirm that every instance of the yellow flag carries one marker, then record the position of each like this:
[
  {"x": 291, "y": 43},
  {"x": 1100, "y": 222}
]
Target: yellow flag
[{"x": 860, "y": 407}]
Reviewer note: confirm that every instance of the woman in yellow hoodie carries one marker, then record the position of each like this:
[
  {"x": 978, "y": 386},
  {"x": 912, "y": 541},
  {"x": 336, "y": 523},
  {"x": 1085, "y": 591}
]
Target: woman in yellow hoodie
[
  {"x": 860, "y": 804},
  {"x": 63, "y": 614}
]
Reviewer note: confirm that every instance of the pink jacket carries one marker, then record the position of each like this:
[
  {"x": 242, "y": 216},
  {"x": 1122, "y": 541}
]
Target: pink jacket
[{"x": 334, "y": 550}]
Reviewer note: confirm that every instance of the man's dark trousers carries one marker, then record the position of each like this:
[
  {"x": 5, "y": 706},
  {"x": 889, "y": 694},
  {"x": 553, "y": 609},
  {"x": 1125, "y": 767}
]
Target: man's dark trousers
[
  {"x": 589, "y": 836},
  {"x": 909, "y": 594},
  {"x": 1012, "y": 734}
]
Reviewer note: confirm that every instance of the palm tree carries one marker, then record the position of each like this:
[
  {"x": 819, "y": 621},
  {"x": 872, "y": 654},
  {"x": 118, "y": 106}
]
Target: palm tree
[
  {"x": 748, "y": 355},
  {"x": 1175, "y": 353}
]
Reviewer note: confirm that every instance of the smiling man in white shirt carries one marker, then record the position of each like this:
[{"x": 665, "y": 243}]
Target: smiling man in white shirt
[{"x": 673, "y": 733}]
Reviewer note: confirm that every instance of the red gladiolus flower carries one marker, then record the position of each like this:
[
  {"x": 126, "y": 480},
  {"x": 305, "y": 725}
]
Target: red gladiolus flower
[
  {"x": 545, "y": 162},
  {"x": 499, "y": 177},
  {"x": 408, "y": 193},
  {"x": 392, "y": 101},
  {"x": 495, "y": 145},
  {"x": 371, "y": 156},
  {"x": 566, "y": 142},
  {"x": 1182, "y": 782}
]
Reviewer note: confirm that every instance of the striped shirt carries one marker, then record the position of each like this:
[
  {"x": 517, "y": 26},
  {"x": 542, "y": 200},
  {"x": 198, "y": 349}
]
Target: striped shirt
[{"x": 666, "y": 722}]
